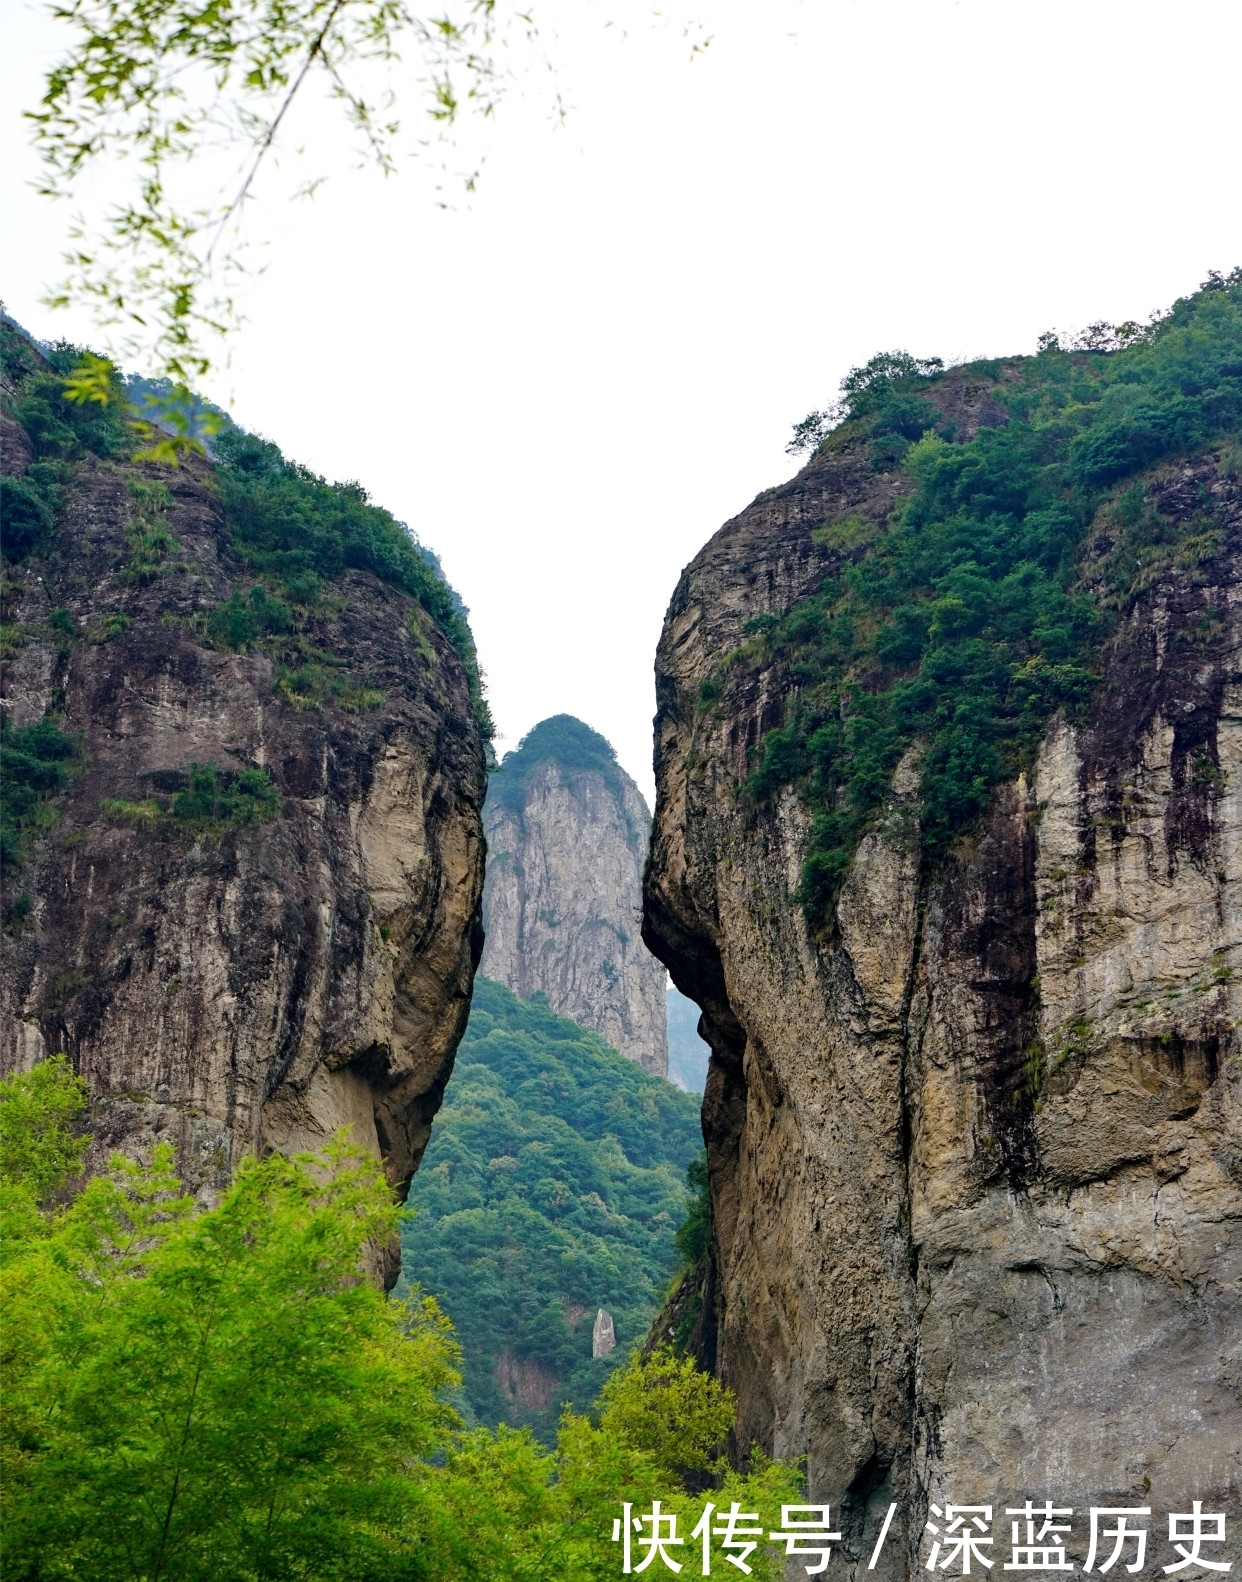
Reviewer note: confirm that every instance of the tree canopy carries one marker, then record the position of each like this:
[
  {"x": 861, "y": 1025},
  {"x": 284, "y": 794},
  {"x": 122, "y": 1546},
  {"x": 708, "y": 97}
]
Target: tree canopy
[{"x": 190, "y": 1394}]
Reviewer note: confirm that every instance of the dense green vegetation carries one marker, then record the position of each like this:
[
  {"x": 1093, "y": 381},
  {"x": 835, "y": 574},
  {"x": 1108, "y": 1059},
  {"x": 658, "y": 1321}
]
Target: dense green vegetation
[
  {"x": 195, "y": 1395},
  {"x": 960, "y": 623},
  {"x": 61, "y": 430},
  {"x": 34, "y": 766},
  {"x": 292, "y": 528},
  {"x": 552, "y": 1187},
  {"x": 296, "y": 530},
  {"x": 563, "y": 740}
]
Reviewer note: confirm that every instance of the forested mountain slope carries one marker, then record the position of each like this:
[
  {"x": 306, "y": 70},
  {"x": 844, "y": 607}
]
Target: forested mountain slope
[{"x": 553, "y": 1186}]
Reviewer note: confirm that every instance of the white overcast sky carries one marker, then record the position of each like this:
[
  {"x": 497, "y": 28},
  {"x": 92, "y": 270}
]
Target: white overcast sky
[{"x": 566, "y": 383}]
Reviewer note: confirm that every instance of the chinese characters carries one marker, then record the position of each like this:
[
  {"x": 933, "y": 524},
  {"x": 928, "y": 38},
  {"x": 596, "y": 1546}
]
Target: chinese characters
[{"x": 959, "y": 1539}]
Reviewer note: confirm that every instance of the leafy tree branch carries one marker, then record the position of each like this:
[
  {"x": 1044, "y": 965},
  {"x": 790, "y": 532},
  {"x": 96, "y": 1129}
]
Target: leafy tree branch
[{"x": 184, "y": 103}]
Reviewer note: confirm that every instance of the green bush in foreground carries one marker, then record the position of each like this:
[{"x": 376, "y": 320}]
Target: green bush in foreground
[{"x": 193, "y": 1395}]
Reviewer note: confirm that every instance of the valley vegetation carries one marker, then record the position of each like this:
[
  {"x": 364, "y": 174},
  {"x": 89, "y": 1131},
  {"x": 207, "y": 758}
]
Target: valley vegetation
[
  {"x": 193, "y": 1394},
  {"x": 552, "y": 1187}
]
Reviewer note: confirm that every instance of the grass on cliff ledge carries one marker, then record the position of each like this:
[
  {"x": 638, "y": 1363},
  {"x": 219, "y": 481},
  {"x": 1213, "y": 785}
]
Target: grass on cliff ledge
[
  {"x": 961, "y": 623},
  {"x": 212, "y": 801}
]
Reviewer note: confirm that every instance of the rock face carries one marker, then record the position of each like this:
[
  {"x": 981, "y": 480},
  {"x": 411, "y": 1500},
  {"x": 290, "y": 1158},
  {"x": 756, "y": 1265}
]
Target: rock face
[
  {"x": 238, "y": 988},
  {"x": 976, "y": 1154},
  {"x": 562, "y": 906}
]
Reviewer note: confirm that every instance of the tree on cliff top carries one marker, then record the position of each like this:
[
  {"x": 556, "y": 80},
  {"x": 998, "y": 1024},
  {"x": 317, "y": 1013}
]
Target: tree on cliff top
[{"x": 563, "y": 740}]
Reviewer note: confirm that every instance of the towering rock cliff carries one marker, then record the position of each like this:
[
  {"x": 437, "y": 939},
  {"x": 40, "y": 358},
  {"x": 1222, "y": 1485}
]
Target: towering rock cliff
[
  {"x": 250, "y": 916},
  {"x": 567, "y": 837},
  {"x": 975, "y": 1130}
]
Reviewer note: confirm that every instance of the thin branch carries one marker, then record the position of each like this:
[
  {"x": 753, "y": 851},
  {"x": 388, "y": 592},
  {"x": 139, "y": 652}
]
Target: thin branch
[{"x": 312, "y": 55}]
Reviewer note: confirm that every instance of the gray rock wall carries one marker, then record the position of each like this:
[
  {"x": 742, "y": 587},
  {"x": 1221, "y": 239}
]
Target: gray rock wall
[
  {"x": 976, "y": 1154},
  {"x": 237, "y": 988},
  {"x": 562, "y": 907}
]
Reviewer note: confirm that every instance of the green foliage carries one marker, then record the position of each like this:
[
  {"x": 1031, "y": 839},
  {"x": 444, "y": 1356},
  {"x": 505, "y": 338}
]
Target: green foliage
[
  {"x": 30, "y": 506},
  {"x": 19, "y": 356},
  {"x": 40, "y": 1145},
  {"x": 219, "y": 1394},
  {"x": 551, "y": 1187},
  {"x": 109, "y": 626},
  {"x": 196, "y": 1395},
  {"x": 12, "y": 641},
  {"x": 294, "y": 527},
  {"x": 34, "y": 767},
  {"x": 244, "y": 619},
  {"x": 145, "y": 812},
  {"x": 516, "y": 1512},
  {"x": 220, "y": 797},
  {"x": 694, "y": 1233},
  {"x": 562, "y": 740},
  {"x": 669, "y": 1408},
  {"x": 64, "y": 428},
  {"x": 151, "y": 544},
  {"x": 958, "y": 625},
  {"x": 214, "y": 800},
  {"x": 313, "y": 682}
]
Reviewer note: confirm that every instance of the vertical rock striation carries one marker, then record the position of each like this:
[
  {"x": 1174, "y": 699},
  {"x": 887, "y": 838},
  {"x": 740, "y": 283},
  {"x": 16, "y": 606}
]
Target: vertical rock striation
[
  {"x": 234, "y": 987},
  {"x": 567, "y": 833},
  {"x": 976, "y": 1151}
]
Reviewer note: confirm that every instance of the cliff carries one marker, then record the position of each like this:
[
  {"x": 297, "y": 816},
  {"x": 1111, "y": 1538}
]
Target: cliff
[
  {"x": 974, "y": 1109},
  {"x": 567, "y": 834},
  {"x": 244, "y": 869}
]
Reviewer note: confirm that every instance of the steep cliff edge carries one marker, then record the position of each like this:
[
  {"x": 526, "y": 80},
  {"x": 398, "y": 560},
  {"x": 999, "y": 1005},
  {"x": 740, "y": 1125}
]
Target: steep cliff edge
[
  {"x": 248, "y": 907},
  {"x": 974, "y": 1111},
  {"x": 567, "y": 833}
]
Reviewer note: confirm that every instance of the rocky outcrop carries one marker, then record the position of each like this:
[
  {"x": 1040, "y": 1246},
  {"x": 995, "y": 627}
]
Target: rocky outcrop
[
  {"x": 562, "y": 906},
  {"x": 235, "y": 987},
  {"x": 976, "y": 1150}
]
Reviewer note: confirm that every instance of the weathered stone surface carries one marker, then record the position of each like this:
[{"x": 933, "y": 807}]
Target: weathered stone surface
[
  {"x": 562, "y": 906},
  {"x": 256, "y": 987},
  {"x": 976, "y": 1154}
]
